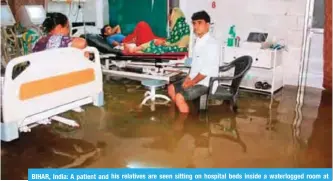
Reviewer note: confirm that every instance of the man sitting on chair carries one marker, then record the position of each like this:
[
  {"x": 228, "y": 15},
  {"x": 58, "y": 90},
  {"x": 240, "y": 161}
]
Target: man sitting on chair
[{"x": 205, "y": 64}]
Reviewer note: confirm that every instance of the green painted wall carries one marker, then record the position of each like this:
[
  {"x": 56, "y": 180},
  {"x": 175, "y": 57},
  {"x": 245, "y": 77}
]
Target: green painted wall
[{"x": 127, "y": 13}]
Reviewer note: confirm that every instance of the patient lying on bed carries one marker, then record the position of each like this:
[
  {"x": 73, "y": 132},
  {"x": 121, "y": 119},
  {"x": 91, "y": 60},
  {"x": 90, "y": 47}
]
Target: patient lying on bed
[
  {"x": 177, "y": 42},
  {"x": 141, "y": 34},
  {"x": 56, "y": 25}
]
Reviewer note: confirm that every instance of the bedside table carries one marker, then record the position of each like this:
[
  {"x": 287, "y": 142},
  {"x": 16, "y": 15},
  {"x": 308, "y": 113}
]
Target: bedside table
[{"x": 266, "y": 67}]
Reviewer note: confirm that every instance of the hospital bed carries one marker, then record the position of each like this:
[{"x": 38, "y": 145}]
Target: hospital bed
[
  {"x": 53, "y": 82},
  {"x": 137, "y": 66}
]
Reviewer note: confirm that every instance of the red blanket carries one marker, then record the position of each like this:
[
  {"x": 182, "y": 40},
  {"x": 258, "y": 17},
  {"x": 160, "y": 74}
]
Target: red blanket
[{"x": 141, "y": 34}]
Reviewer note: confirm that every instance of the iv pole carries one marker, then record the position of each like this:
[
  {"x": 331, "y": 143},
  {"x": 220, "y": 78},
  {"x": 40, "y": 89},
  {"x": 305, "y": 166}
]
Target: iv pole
[{"x": 83, "y": 20}]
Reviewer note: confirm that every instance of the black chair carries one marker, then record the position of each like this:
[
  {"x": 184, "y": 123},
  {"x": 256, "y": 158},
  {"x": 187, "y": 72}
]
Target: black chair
[{"x": 230, "y": 93}]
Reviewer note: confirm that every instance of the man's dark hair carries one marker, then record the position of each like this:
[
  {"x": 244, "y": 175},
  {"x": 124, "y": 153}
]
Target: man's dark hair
[
  {"x": 201, "y": 15},
  {"x": 103, "y": 30}
]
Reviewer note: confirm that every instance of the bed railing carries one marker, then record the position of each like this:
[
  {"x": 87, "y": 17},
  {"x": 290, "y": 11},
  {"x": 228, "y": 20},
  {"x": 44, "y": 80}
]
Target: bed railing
[{"x": 51, "y": 82}]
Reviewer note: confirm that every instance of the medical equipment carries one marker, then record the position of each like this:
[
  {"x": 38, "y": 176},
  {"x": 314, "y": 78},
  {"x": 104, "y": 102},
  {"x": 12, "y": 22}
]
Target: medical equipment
[
  {"x": 255, "y": 40},
  {"x": 9, "y": 41},
  {"x": 54, "y": 81},
  {"x": 30, "y": 16}
]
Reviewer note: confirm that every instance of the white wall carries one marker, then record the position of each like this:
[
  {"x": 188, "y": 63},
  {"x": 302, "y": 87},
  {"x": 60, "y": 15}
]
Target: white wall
[
  {"x": 70, "y": 10},
  {"x": 106, "y": 19},
  {"x": 283, "y": 19},
  {"x": 92, "y": 11}
]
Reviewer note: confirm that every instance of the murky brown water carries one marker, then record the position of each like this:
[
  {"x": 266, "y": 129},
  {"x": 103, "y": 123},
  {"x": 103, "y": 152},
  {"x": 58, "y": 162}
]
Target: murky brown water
[{"x": 122, "y": 135}]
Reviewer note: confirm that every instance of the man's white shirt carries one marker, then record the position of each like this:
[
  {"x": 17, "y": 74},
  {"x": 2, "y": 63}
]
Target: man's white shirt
[{"x": 205, "y": 58}]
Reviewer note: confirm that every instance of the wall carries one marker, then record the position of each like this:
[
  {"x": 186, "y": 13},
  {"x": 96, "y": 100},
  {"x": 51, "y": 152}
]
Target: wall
[
  {"x": 16, "y": 4},
  {"x": 328, "y": 46},
  {"x": 128, "y": 13},
  {"x": 174, "y": 3},
  {"x": 282, "y": 19},
  {"x": 70, "y": 10},
  {"x": 88, "y": 11}
]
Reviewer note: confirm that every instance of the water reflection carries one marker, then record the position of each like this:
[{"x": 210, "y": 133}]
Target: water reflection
[
  {"x": 44, "y": 149},
  {"x": 227, "y": 128},
  {"x": 257, "y": 135},
  {"x": 137, "y": 137}
]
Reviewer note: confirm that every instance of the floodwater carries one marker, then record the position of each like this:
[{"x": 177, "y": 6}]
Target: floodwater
[{"x": 123, "y": 135}]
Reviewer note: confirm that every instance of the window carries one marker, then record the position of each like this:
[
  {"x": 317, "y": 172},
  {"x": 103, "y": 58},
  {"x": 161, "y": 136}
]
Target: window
[{"x": 318, "y": 14}]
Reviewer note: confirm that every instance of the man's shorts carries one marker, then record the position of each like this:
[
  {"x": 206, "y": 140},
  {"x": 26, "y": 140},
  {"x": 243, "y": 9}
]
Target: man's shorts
[{"x": 190, "y": 93}]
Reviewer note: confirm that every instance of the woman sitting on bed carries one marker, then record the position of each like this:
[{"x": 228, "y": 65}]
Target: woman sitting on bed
[
  {"x": 56, "y": 25},
  {"x": 177, "y": 42}
]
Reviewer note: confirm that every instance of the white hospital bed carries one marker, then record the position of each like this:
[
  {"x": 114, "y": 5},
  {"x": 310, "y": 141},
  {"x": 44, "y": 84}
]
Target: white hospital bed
[
  {"x": 166, "y": 71},
  {"x": 158, "y": 67},
  {"x": 54, "y": 82}
]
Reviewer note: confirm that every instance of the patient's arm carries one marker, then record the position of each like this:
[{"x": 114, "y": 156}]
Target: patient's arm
[
  {"x": 79, "y": 43},
  {"x": 116, "y": 29},
  {"x": 114, "y": 44}
]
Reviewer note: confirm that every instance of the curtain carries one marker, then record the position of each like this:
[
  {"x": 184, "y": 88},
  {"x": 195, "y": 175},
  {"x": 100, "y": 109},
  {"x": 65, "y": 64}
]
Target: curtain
[
  {"x": 328, "y": 46},
  {"x": 127, "y": 13}
]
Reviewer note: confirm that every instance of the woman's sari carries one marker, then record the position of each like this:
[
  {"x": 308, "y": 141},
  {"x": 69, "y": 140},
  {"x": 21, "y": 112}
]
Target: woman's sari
[{"x": 178, "y": 40}]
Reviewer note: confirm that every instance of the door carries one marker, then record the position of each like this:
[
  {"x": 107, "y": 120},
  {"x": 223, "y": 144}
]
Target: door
[
  {"x": 311, "y": 70},
  {"x": 315, "y": 73}
]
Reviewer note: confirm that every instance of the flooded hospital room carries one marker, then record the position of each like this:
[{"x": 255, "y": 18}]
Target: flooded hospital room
[{"x": 165, "y": 84}]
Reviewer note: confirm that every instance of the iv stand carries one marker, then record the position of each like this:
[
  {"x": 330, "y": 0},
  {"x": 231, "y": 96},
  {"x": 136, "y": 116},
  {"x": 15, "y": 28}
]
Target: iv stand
[{"x": 83, "y": 20}]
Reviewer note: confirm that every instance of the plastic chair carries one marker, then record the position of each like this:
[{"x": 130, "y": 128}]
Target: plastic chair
[{"x": 241, "y": 65}]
